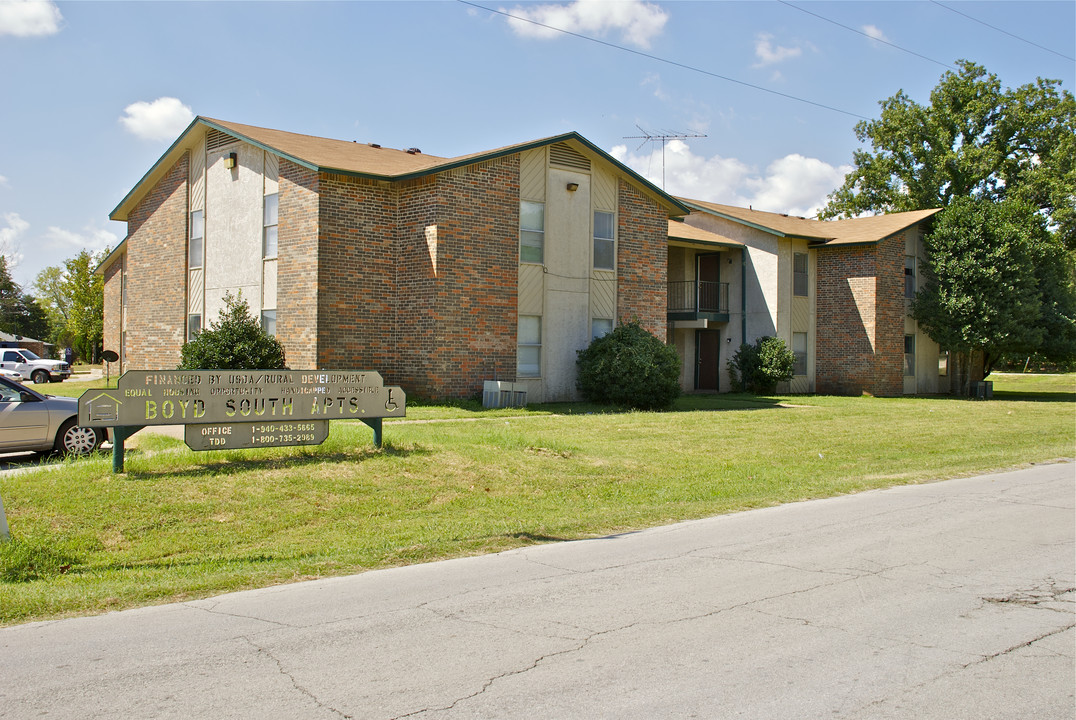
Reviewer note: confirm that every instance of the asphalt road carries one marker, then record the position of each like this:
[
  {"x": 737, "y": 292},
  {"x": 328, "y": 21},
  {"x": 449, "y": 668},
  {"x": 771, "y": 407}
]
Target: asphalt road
[{"x": 947, "y": 600}]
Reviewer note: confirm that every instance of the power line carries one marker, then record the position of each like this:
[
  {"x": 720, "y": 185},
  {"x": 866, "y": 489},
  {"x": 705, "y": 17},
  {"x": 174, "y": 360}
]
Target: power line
[
  {"x": 1000, "y": 30},
  {"x": 664, "y": 60},
  {"x": 866, "y": 35}
]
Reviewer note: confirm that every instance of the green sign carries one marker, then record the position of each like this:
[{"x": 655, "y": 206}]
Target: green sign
[
  {"x": 204, "y": 397},
  {"x": 241, "y": 436}
]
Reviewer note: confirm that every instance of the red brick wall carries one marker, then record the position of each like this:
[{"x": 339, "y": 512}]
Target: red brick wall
[
  {"x": 297, "y": 265},
  {"x": 156, "y": 273},
  {"x": 111, "y": 331},
  {"x": 890, "y": 313},
  {"x": 859, "y": 347},
  {"x": 642, "y": 261},
  {"x": 457, "y": 324},
  {"x": 356, "y": 274}
]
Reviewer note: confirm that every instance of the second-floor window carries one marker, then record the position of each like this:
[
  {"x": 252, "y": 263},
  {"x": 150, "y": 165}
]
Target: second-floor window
[
  {"x": 604, "y": 241},
  {"x": 909, "y": 276},
  {"x": 531, "y": 232},
  {"x": 196, "y": 247},
  {"x": 269, "y": 223},
  {"x": 799, "y": 274}
]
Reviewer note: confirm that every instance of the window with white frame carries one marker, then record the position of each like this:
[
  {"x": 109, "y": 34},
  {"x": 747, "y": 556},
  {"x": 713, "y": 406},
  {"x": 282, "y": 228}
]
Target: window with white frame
[
  {"x": 194, "y": 326},
  {"x": 529, "y": 346},
  {"x": 600, "y": 327},
  {"x": 909, "y": 356},
  {"x": 269, "y": 322},
  {"x": 943, "y": 363},
  {"x": 604, "y": 241},
  {"x": 269, "y": 223},
  {"x": 196, "y": 247},
  {"x": 799, "y": 349},
  {"x": 799, "y": 274},
  {"x": 909, "y": 276},
  {"x": 531, "y": 232}
]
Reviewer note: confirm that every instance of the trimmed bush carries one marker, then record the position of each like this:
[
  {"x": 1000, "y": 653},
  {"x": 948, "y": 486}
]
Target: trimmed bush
[
  {"x": 758, "y": 368},
  {"x": 235, "y": 341},
  {"x": 629, "y": 367}
]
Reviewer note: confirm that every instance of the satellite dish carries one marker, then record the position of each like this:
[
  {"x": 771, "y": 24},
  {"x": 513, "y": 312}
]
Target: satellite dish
[{"x": 110, "y": 356}]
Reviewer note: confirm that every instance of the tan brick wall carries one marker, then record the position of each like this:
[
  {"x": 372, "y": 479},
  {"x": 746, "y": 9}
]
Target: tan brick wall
[
  {"x": 297, "y": 265},
  {"x": 156, "y": 273},
  {"x": 642, "y": 261}
]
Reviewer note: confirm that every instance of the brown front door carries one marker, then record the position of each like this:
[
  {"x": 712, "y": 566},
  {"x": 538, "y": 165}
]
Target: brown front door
[{"x": 709, "y": 349}]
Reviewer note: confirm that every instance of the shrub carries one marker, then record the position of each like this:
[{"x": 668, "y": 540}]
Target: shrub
[
  {"x": 758, "y": 368},
  {"x": 631, "y": 368},
  {"x": 235, "y": 341}
]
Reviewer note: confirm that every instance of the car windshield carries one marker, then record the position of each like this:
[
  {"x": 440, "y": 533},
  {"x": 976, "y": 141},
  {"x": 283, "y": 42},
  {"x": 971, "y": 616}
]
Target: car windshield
[{"x": 29, "y": 355}]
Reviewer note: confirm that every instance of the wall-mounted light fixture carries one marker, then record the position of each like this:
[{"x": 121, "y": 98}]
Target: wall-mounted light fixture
[
  {"x": 728, "y": 339},
  {"x": 231, "y": 160},
  {"x": 572, "y": 187}
]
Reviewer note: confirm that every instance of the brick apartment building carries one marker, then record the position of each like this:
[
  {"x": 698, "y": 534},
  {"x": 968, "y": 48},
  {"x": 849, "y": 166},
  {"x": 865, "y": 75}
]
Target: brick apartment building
[
  {"x": 443, "y": 273},
  {"x": 440, "y": 273}
]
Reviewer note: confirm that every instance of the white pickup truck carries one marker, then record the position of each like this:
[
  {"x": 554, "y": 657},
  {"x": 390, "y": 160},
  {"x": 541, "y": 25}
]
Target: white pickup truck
[{"x": 31, "y": 366}]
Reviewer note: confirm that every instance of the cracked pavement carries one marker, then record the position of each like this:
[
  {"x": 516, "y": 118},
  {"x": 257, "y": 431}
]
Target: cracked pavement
[{"x": 946, "y": 600}]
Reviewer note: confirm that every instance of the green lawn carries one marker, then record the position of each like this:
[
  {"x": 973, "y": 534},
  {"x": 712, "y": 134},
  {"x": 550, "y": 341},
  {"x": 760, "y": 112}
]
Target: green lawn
[{"x": 461, "y": 481}]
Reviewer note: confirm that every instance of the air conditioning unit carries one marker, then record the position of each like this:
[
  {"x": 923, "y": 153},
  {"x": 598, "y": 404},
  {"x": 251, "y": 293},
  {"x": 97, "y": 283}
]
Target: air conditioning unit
[{"x": 500, "y": 394}]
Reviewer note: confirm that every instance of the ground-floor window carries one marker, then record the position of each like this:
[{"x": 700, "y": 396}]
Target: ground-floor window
[
  {"x": 529, "y": 346},
  {"x": 600, "y": 327},
  {"x": 799, "y": 349},
  {"x": 194, "y": 326},
  {"x": 269, "y": 322},
  {"x": 909, "y": 356}
]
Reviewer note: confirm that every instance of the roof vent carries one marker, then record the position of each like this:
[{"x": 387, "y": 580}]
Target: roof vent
[
  {"x": 413, "y": 151},
  {"x": 564, "y": 155}
]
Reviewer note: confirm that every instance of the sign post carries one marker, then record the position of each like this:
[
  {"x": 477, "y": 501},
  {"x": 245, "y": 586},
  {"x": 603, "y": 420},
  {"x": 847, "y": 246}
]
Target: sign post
[{"x": 224, "y": 409}]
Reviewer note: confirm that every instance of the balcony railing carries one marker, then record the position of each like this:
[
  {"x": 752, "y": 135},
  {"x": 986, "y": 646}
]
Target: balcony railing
[{"x": 691, "y": 296}]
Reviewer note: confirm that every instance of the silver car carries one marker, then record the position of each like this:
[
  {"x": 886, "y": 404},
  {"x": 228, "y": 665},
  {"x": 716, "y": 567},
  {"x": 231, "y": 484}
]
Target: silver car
[{"x": 30, "y": 421}]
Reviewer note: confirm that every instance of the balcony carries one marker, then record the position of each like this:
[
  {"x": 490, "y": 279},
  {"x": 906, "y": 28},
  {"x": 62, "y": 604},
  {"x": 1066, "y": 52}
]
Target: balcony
[{"x": 697, "y": 300}]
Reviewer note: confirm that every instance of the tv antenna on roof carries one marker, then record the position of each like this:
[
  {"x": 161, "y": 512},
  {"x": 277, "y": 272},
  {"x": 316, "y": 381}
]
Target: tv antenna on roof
[{"x": 664, "y": 137}]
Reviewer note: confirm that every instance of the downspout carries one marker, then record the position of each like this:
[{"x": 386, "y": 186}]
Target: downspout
[{"x": 743, "y": 295}]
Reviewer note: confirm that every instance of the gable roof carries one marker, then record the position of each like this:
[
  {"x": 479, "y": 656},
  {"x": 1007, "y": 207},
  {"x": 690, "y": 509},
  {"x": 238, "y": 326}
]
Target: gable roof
[
  {"x": 361, "y": 160},
  {"x": 828, "y": 233}
]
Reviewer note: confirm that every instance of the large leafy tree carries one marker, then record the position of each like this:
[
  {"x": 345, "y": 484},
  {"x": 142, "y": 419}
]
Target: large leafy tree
[
  {"x": 997, "y": 283},
  {"x": 974, "y": 139},
  {"x": 1002, "y": 164},
  {"x": 52, "y": 294},
  {"x": 86, "y": 296}
]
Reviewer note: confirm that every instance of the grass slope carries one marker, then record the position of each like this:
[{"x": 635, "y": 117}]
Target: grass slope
[{"x": 458, "y": 481}]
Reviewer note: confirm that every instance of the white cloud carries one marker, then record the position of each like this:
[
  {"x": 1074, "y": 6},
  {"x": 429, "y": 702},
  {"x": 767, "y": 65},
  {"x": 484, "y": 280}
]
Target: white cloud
[
  {"x": 92, "y": 239},
  {"x": 162, "y": 119},
  {"x": 4, "y": 181},
  {"x": 874, "y": 32},
  {"x": 794, "y": 184},
  {"x": 767, "y": 54},
  {"x": 9, "y": 237},
  {"x": 29, "y": 18},
  {"x": 637, "y": 21}
]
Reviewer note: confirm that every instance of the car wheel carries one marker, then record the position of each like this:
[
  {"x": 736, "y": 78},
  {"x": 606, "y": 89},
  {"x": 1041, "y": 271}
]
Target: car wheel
[
  {"x": 40, "y": 377},
  {"x": 75, "y": 440}
]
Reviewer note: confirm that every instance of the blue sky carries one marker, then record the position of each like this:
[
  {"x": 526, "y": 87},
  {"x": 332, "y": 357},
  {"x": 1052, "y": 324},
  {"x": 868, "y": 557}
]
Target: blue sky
[{"x": 92, "y": 93}]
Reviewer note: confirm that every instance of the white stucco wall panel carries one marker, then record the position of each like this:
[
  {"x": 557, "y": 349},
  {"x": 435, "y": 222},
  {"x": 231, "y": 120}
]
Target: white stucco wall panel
[{"x": 233, "y": 227}]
